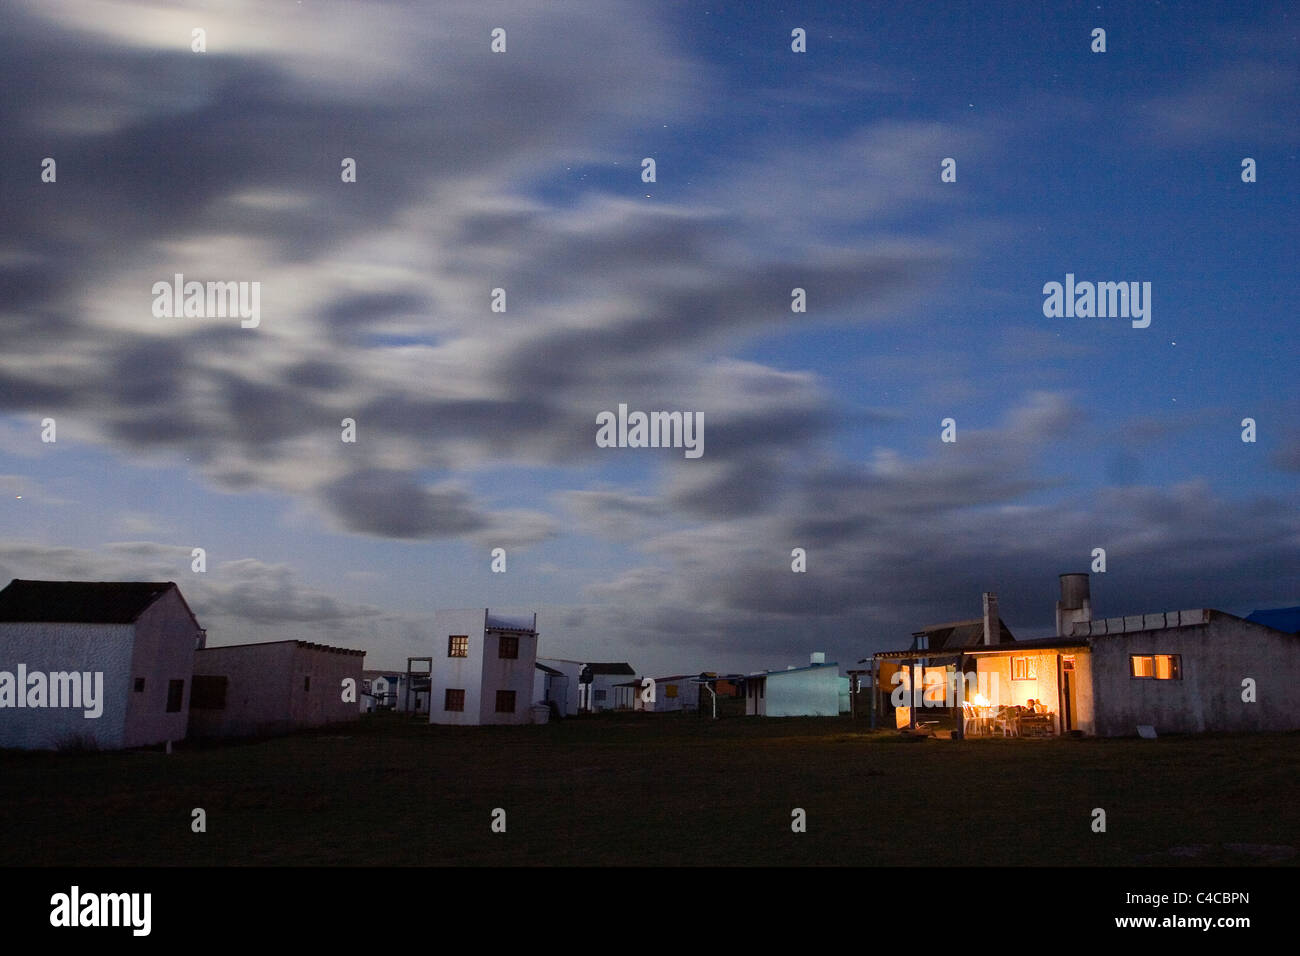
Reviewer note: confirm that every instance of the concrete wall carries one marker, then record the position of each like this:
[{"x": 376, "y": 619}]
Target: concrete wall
[
  {"x": 67, "y": 647},
  {"x": 320, "y": 702},
  {"x": 514, "y": 674},
  {"x": 258, "y": 690},
  {"x": 165, "y": 640},
  {"x": 1215, "y": 658}
]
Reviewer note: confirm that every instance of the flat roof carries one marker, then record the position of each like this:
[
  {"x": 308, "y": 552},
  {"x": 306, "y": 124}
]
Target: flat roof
[
  {"x": 308, "y": 644},
  {"x": 795, "y": 670}
]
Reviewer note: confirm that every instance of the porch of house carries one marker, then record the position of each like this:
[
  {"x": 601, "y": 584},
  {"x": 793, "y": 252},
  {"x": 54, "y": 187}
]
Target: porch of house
[{"x": 1020, "y": 689}]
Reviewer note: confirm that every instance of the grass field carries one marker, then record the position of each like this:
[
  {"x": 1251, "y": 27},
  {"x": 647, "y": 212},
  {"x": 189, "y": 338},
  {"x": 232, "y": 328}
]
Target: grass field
[{"x": 660, "y": 790}]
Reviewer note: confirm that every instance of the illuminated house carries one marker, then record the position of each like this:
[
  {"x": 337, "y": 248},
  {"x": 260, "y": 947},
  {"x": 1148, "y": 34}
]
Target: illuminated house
[
  {"x": 483, "y": 668},
  {"x": 137, "y": 636},
  {"x": 815, "y": 690},
  {"x": 1186, "y": 671}
]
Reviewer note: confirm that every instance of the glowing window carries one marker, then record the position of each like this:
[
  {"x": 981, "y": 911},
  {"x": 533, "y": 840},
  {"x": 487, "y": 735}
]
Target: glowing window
[
  {"x": 458, "y": 645},
  {"x": 1156, "y": 666},
  {"x": 671, "y": 690},
  {"x": 1024, "y": 668}
]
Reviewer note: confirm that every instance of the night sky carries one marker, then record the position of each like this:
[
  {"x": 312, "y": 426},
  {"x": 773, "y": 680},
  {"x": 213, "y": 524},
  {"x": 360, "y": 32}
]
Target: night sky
[{"x": 522, "y": 170}]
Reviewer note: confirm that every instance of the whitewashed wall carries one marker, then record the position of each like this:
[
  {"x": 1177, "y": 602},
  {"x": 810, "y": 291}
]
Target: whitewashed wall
[
  {"x": 68, "y": 647},
  {"x": 462, "y": 673},
  {"x": 814, "y": 692},
  {"x": 165, "y": 640}
]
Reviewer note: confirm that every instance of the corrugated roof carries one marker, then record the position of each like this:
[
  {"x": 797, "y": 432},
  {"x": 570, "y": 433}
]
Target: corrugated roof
[
  {"x": 80, "y": 602},
  {"x": 963, "y": 634},
  {"x": 1285, "y": 619}
]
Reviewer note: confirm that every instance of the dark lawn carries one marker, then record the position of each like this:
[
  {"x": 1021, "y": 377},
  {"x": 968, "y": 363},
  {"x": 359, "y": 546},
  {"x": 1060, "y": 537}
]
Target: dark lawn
[{"x": 657, "y": 789}]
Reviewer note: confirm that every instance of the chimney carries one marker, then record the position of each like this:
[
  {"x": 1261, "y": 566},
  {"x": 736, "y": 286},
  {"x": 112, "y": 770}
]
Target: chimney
[
  {"x": 1075, "y": 605},
  {"x": 818, "y": 657},
  {"x": 992, "y": 625}
]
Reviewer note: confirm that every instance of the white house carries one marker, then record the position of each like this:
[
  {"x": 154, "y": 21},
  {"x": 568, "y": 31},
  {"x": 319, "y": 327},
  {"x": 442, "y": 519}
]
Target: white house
[
  {"x": 677, "y": 693},
  {"x": 483, "y": 668},
  {"x": 815, "y": 690},
  {"x": 603, "y": 686},
  {"x": 593, "y": 686},
  {"x": 385, "y": 690},
  {"x": 106, "y": 663}
]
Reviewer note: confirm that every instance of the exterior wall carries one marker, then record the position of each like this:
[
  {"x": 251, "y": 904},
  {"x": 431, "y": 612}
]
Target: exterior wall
[
  {"x": 1215, "y": 658},
  {"x": 606, "y": 683},
  {"x": 812, "y": 692},
  {"x": 570, "y": 670},
  {"x": 688, "y": 696},
  {"x": 258, "y": 682},
  {"x": 165, "y": 640},
  {"x": 549, "y": 688},
  {"x": 514, "y": 674},
  {"x": 321, "y": 702},
  {"x": 67, "y": 647},
  {"x": 461, "y": 673}
]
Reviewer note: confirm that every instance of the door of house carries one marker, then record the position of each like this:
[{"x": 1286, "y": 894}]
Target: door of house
[{"x": 1067, "y": 693}]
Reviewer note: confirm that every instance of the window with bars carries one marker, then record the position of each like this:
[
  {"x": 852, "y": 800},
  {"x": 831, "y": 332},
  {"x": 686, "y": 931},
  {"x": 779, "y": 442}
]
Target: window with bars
[
  {"x": 505, "y": 702},
  {"x": 454, "y": 700},
  {"x": 458, "y": 645},
  {"x": 508, "y": 648}
]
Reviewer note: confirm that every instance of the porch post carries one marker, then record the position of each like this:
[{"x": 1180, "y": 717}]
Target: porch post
[
  {"x": 911, "y": 682},
  {"x": 960, "y": 732},
  {"x": 875, "y": 688}
]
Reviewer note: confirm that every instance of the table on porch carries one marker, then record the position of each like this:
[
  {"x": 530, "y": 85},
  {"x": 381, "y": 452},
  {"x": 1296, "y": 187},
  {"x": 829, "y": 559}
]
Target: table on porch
[{"x": 1014, "y": 721}]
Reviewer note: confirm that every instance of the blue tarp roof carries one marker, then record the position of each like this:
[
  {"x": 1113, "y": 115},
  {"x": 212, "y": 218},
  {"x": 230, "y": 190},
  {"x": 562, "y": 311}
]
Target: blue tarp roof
[{"x": 1279, "y": 618}]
